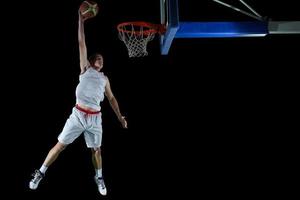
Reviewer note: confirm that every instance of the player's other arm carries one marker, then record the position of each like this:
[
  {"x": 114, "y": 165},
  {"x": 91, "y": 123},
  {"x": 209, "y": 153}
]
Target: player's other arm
[{"x": 114, "y": 104}]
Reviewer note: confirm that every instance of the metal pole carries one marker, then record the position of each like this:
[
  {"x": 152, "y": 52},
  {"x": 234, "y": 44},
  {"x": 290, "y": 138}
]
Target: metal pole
[
  {"x": 245, "y": 4},
  {"x": 163, "y": 11},
  {"x": 239, "y": 10}
]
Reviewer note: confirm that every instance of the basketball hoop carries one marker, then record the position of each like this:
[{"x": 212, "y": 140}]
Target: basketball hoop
[{"x": 136, "y": 36}]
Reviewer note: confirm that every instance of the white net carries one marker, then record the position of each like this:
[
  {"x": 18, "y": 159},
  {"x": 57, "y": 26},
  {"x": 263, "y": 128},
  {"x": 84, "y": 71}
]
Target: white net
[{"x": 136, "y": 38}]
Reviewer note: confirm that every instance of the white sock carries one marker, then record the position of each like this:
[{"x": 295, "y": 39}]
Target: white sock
[
  {"x": 98, "y": 172},
  {"x": 43, "y": 169}
]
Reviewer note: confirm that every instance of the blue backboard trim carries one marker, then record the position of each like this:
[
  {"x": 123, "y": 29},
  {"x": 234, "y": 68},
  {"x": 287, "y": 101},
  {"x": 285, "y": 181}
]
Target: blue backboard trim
[
  {"x": 172, "y": 26},
  {"x": 221, "y": 29}
]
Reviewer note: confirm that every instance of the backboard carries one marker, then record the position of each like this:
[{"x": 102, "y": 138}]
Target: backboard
[{"x": 256, "y": 26}]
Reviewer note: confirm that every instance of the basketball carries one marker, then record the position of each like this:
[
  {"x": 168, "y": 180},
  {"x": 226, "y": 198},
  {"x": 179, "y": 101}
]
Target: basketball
[{"x": 89, "y": 9}]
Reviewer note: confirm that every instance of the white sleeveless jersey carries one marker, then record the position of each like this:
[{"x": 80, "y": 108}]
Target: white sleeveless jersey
[{"x": 91, "y": 88}]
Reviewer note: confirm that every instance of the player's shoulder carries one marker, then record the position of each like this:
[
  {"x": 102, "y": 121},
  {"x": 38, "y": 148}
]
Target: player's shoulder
[
  {"x": 105, "y": 77},
  {"x": 84, "y": 70}
]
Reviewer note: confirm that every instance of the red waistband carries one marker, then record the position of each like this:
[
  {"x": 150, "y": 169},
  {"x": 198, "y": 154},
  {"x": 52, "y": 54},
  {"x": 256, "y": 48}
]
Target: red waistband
[{"x": 86, "y": 111}]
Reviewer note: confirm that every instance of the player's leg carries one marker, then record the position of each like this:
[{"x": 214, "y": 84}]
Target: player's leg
[
  {"x": 72, "y": 130},
  {"x": 97, "y": 163},
  {"x": 53, "y": 154},
  {"x": 38, "y": 175},
  {"x": 93, "y": 139}
]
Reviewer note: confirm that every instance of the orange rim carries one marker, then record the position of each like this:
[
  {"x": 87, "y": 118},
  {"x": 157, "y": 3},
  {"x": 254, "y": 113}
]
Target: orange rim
[{"x": 152, "y": 28}]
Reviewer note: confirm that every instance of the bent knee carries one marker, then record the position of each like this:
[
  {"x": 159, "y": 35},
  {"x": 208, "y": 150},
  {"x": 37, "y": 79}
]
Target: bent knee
[
  {"x": 96, "y": 150},
  {"x": 60, "y": 147}
]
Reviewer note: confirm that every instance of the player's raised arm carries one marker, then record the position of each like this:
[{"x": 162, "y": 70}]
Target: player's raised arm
[{"x": 82, "y": 45}]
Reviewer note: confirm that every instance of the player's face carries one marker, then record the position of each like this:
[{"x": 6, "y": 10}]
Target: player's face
[{"x": 98, "y": 62}]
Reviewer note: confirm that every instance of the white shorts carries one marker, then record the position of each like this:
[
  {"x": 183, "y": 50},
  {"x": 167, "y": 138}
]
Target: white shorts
[{"x": 81, "y": 122}]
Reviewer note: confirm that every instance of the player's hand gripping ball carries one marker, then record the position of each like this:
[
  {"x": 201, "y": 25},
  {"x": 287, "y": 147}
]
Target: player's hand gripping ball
[{"x": 88, "y": 9}]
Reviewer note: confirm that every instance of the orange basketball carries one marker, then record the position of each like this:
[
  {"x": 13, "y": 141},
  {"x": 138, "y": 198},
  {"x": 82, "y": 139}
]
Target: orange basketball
[{"x": 89, "y": 9}]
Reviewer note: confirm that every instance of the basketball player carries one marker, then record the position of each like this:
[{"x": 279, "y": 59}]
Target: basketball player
[{"x": 86, "y": 115}]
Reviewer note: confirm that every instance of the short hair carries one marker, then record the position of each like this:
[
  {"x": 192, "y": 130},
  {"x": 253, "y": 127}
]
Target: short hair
[{"x": 92, "y": 58}]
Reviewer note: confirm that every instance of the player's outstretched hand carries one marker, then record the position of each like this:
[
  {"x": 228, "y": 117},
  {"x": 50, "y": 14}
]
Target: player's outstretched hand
[{"x": 123, "y": 122}]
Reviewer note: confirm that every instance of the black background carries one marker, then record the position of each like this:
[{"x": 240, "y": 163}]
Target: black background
[{"x": 211, "y": 118}]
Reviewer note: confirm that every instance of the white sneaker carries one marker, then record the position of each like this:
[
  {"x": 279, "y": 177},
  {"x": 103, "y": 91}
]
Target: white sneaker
[
  {"x": 37, "y": 177},
  {"x": 101, "y": 186}
]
